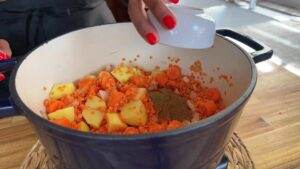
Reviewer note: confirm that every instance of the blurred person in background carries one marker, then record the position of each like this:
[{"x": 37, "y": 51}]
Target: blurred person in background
[{"x": 25, "y": 24}]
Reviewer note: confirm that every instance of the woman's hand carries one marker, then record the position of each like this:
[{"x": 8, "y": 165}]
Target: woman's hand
[
  {"x": 137, "y": 13},
  {"x": 5, "y": 51}
]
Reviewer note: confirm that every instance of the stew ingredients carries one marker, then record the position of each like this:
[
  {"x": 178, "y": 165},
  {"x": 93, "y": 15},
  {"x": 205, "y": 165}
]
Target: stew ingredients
[{"x": 130, "y": 100}]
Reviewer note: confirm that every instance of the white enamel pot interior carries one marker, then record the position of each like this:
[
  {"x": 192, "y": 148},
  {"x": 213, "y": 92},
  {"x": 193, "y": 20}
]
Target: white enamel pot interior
[{"x": 74, "y": 55}]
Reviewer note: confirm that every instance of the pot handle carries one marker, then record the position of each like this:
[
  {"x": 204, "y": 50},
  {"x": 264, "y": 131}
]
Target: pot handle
[
  {"x": 262, "y": 52},
  {"x": 6, "y": 108}
]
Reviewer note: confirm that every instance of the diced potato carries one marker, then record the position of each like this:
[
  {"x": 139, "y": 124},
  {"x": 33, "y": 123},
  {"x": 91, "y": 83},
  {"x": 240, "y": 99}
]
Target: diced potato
[
  {"x": 114, "y": 122},
  {"x": 103, "y": 95},
  {"x": 134, "y": 113},
  {"x": 140, "y": 93},
  {"x": 93, "y": 117},
  {"x": 136, "y": 71},
  {"x": 68, "y": 113},
  {"x": 95, "y": 102},
  {"x": 122, "y": 73},
  {"x": 82, "y": 126},
  {"x": 61, "y": 89}
]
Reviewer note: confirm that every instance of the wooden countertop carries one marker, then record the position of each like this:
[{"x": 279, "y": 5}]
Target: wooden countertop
[{"x": 269, "y": 126}]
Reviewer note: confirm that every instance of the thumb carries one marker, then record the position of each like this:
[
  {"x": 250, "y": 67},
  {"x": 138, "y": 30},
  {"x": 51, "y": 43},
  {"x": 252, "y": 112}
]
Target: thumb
[{"x": 5, "y": 48}]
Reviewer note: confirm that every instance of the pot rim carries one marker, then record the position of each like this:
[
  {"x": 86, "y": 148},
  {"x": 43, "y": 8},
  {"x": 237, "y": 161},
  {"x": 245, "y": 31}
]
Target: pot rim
[{"x": 228, "y": 112}]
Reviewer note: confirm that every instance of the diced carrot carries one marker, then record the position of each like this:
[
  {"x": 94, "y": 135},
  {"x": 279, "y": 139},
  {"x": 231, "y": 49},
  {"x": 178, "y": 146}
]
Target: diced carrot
[
  {"x": 86, "y": 83},
  {"x": 67, "y": 99},
  {"x": 115, "y": 100},
  {"x": 142, "y": 129},
  {"x": 156, "y": 127},
  {"x": 161, "y": 79},
  {"x": 213, "y": 94},
  {"x": 210, "y": 107},
  {"x": 106, "y": 80},
  {"x": 75, "y": 125},
  {"x": 93, "y": 90},
  {"x": 131, "y": 130},
  {"x": 152, "y": 116},
  {"x": 53, "y": 105},
  {"x": 63, "y": 122},
  {"x": 78, "y": 94},
  {"x": 173, "y": 72},
  {"x": 81, "y": 106},
  {"x": 174, "y": 124},
  {"x": 172, "y": 84},
  {"x": 129, "y": 90},
  {"x": 140, "y": 81},
  {"x": 103, "y": 129}
]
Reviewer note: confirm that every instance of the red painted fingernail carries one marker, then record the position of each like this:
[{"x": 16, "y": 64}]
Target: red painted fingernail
[
  {"x": 174, "y": 1},
  {"x": 2, "y": 77},
  {"x": 3, "y": 55},
  {"x": 151, "y": 37},
  {"x": 169, "y": 22}
]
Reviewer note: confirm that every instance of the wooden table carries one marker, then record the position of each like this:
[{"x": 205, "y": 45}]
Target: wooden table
[{"x": 269, "y": 126}]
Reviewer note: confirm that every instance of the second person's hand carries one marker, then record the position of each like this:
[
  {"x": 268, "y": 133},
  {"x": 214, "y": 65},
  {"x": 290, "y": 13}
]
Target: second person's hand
[
  {"x": 5, "y": 51},
  {"x": 138, "y": 16}
]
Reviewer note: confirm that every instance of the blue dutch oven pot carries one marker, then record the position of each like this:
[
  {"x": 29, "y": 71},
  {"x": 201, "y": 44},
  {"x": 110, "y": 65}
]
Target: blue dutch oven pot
[{"x": 71, "y": 56}]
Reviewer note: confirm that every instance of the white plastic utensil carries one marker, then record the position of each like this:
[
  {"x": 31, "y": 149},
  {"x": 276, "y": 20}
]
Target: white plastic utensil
[{"x": 194, "y": 29}]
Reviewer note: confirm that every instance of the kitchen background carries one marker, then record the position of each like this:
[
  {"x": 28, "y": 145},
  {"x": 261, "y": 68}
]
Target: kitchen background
[{"x": 270, "y": 124}]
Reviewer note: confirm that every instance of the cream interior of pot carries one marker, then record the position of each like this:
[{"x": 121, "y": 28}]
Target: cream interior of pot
[{"x": 82, "y": 52}]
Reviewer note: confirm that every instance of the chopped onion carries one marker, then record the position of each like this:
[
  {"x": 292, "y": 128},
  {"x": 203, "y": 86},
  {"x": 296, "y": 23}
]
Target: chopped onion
[
  {"x": 191, "y": 105},
  {"x": 103, "y": 95}
]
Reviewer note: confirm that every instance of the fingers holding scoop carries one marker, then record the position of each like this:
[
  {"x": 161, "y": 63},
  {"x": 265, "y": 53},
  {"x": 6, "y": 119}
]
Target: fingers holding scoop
[{"x": 138, "y": 16}]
